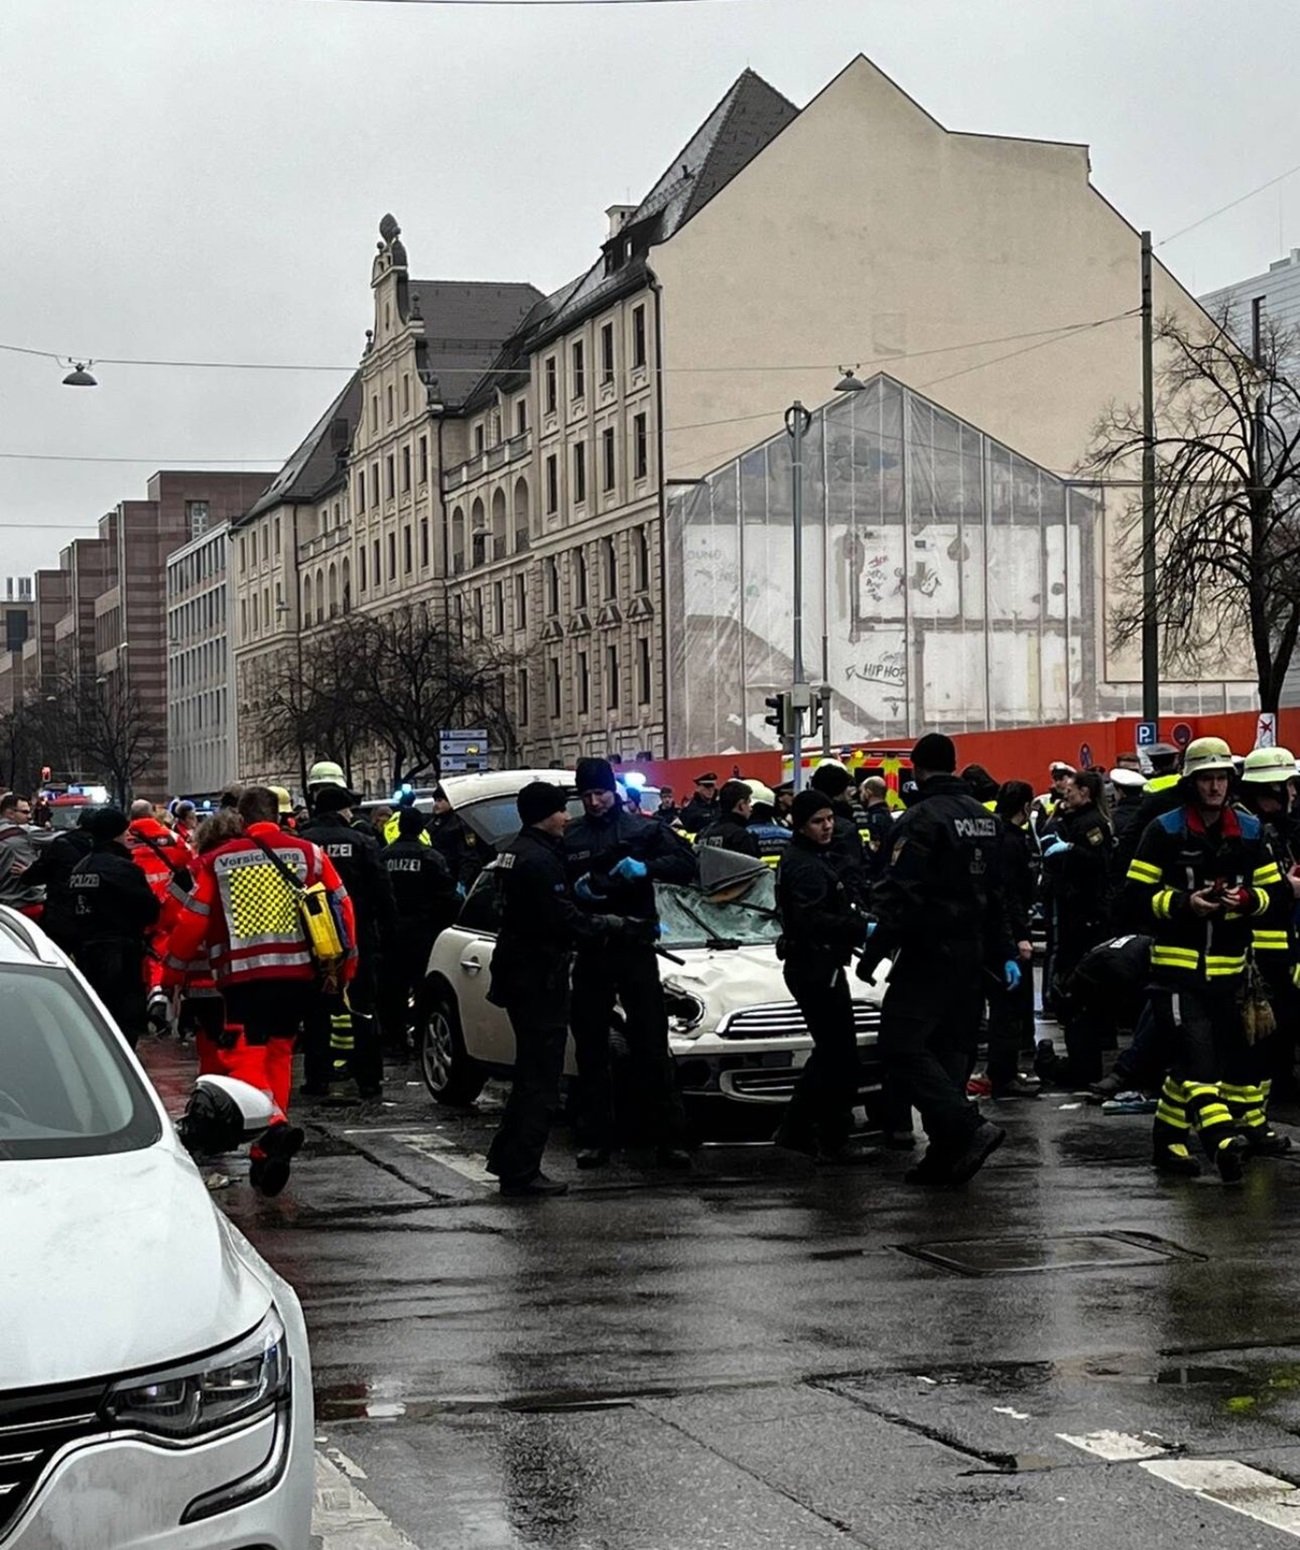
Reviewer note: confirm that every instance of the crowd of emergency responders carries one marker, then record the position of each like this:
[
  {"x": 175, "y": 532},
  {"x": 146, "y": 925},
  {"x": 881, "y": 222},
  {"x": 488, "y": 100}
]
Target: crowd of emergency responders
[{"x": 1151, "y": 909}]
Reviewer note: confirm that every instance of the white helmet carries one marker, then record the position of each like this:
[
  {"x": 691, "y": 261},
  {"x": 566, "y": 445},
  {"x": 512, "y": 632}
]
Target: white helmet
[
  {"x": 760, "y": 793},
  {"x": 1208, "y": 756},
  {"x": 325, "y": 773},
  {"x": 1269, "y": 767}
]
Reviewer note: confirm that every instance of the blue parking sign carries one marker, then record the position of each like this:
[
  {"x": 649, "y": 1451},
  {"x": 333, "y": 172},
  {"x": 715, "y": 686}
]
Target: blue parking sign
[{"x": 1147, "y": 734}]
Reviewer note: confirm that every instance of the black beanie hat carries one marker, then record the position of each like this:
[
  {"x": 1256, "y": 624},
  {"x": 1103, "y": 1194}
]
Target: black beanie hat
[
  {"x": 540, "y": 799},
  {"x": 936, "y": 754},
  {"x": 806, "y": 805},
  {"x": 833, "y": 780},
  {"x": 106, "y": 824},
  {"x": 594, "y": 775}
]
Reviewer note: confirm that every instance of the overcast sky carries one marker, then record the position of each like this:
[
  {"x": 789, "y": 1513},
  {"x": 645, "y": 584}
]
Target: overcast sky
[{"x": 203, "y": 179}]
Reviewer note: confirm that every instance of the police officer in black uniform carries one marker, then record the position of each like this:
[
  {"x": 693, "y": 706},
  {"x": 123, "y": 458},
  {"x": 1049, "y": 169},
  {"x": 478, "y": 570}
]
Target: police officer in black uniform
[
  {"x": 540, "y": 927},
  {"x": 613, "y": 861},
  {"x": 730, "y": 830},
  {"x": 342, "y": 1039},
  {"x": 113, "y": 909},
  {"x": 940, "y": 913},
  {"x": 427, "y": 902},
  {"x": 833, "y": 781},
  {"x": 702, "y": 809},
  {"x": 54, "y": 868},
  {"x": 821, "y": 923},
  {"x": 464, "y": 852}
]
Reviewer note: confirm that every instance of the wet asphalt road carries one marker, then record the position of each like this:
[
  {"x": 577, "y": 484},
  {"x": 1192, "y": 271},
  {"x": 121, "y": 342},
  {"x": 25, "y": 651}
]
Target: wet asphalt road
[{"x": 765, "y": 1354}]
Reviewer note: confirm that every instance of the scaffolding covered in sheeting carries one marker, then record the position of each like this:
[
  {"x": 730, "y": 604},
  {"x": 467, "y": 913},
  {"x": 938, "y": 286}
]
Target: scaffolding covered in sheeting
[{"x": 948, "y": 582}]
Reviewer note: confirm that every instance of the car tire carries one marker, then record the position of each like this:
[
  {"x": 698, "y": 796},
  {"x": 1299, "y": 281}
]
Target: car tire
[{"x": 452, "y": 1076}]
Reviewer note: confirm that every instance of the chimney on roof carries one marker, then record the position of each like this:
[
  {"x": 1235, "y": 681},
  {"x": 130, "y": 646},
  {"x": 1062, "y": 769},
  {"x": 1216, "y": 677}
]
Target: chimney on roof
[{"x": 617, "y": 216}]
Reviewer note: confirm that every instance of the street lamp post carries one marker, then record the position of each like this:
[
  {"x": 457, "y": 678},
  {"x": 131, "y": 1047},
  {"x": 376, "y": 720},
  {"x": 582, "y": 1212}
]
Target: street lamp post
[{"x": 797, "y": 422}]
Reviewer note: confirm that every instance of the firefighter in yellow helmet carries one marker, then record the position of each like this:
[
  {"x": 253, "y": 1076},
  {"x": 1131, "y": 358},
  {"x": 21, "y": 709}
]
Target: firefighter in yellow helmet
[{"x": 1201, "y": 879}]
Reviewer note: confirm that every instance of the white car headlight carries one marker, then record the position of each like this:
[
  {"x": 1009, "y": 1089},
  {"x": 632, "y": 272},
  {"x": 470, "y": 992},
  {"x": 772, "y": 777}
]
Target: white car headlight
[
  {"x": 685, "y": 1009},
  {"x": 240, "y": 1382}
]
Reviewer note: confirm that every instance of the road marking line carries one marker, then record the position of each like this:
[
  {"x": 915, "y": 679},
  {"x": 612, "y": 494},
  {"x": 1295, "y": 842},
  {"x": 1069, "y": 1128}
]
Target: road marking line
[
  {"x": 1118, "y": 1447},
  {"x": 1236, "y": 1486},
  {"x": 469, "y": 1165},
  {"x": 345, "y": 1519}
]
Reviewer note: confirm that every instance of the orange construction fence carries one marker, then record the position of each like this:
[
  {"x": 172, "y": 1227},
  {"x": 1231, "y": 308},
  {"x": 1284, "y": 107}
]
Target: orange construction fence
[{"x": 1022, "y": 753}]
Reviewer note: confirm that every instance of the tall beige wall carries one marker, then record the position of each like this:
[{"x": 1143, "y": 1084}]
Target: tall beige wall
[{"x": 867, "y": 233}]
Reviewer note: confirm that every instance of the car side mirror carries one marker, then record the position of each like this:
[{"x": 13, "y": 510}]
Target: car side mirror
[{"x": 222, "y": 1114}]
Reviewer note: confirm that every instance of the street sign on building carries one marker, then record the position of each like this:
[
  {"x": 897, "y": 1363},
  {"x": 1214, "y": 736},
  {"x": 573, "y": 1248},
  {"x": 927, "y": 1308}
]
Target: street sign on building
[{"x": 461, "y": 751}]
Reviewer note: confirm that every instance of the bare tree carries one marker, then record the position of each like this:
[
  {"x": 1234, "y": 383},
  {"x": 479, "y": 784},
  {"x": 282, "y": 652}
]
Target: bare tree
[
  {"x": 418, "y": 678},
  {"x": 113, "y": 734},
  {"x": 1227, "y": 497}
]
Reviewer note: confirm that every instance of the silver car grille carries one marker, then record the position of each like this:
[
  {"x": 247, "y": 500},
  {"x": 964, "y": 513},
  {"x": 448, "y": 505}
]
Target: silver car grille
[
  {"x": 34, "y": 1426},
  {"x": 784, "y": 1020}
]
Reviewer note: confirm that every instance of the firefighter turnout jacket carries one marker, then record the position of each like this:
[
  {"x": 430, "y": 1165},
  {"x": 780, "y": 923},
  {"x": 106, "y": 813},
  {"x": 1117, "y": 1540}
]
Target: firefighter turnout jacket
[{"x": 1179, "y": 855}]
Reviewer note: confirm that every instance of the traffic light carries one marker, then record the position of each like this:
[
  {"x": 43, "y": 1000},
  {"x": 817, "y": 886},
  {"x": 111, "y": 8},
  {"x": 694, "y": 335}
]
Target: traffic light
[{"x": 781, "y": 720}]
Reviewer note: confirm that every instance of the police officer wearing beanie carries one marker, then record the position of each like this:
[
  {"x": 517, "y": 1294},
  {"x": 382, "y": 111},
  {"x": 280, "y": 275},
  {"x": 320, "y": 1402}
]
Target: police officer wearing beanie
[
  {"x": 540, "y": 927},
  {"x": 613, "y": 860},
  {"x": 821, "y": 924},
  {"x": 112, "y": 910},
  {"x": 940, "y": 914},
  {"x": 834, "y": 782}
]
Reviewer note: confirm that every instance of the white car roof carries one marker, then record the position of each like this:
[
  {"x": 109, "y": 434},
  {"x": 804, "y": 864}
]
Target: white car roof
[{"x": 463, "y": 789}]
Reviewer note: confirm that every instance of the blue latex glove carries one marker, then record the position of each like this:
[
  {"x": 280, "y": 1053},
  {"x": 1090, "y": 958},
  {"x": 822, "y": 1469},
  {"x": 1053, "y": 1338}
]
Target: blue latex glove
[
  {"x": 870, "y": 931},
  {"x": 583, "y": 890},
  {"x": 629, "y": 870},
  {"x": 1056, "y": 846},
  {"x": 1011, "y": 974}
]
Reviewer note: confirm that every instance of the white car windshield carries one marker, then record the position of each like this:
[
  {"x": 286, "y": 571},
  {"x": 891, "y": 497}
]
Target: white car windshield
[{"x": 66, "y": 1089}]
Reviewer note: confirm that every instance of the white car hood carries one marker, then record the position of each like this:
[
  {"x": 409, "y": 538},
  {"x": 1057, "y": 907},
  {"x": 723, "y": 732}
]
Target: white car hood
[
  {"x": 730, "y": 979},
  {"x": 112, "y": 1264}
]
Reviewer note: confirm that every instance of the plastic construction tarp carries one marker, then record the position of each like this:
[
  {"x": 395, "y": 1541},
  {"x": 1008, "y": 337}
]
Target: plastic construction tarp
[{"x": 947, "y": 581}]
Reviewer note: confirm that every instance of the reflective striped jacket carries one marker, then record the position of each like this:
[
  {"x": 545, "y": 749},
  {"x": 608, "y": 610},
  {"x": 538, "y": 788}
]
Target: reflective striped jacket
[
  {"x": 1178, "y": 856},
  {"x": 246, "y": 915}
]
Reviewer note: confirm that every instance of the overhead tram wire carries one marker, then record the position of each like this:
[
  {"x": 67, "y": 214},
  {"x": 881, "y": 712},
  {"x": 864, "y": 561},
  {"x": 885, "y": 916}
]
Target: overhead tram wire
[
  {"x": 1231, "y": 205},
  {"x": 1066, "y": 331},
  {"x": 512, "y": 371}
]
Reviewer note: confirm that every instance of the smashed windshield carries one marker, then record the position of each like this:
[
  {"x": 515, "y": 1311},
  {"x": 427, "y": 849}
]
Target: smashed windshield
[{"x": 743, "y": 915}]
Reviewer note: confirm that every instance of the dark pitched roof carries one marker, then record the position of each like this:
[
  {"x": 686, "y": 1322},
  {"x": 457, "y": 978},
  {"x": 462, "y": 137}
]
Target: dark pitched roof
[
  {"x": 466, "y": 323},
  {"x": 315, "y": 466},
  {"x": 749, "y": 117}
]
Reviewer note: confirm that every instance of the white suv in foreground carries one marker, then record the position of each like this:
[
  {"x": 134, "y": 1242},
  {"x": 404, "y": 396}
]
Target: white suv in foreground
[
  {"x": 155, "y": 1382},
  {"x": 734, "y": 1032}
]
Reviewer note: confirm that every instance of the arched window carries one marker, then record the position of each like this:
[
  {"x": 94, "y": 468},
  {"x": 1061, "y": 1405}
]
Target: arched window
[
  {"x": 499, "y": 525},
  {"x": 457, "y": 541},
  {"x": 477, "y": 533},
  {"x": 521, "y": 515},
  {"x": 334, "y": 590},
  {"x": 320, "y": 597},
  {"x": 347, "y": 585}
]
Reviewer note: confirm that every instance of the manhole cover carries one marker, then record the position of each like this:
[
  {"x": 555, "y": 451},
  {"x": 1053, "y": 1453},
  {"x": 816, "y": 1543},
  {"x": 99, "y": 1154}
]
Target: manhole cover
[{"x": 1027, "y": 1256}]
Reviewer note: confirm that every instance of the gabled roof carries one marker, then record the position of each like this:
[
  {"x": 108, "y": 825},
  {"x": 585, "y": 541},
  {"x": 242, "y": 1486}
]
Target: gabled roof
[
  {"x": 466, "y": 324},
  {"x": 314, "y": 467},
  {"x": 749, "y": 117}
]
